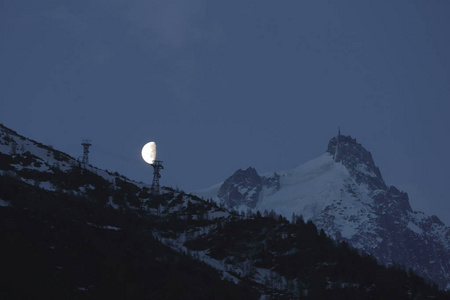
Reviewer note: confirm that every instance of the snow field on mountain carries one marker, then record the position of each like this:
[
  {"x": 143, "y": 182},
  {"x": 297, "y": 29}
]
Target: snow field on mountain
[
  {"x": 320, "y": 183},
  {"x": 307, "y": 189}
]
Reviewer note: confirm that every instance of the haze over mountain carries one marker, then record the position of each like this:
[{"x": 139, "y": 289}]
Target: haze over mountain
[{"x": 343, "y": 192}]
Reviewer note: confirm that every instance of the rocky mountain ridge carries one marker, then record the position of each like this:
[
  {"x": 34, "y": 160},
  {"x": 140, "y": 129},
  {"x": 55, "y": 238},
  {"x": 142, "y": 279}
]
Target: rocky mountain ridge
[{"x": 344, "y": 194}]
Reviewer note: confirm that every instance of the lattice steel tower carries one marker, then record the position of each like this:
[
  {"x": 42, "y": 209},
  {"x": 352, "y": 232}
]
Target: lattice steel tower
[
  {"x": 86, "y": 144},
  {"x": 157, "y": 165}
]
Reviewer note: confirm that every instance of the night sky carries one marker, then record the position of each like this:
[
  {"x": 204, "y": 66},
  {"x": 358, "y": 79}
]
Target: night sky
[{"x": 223, "y": 85}]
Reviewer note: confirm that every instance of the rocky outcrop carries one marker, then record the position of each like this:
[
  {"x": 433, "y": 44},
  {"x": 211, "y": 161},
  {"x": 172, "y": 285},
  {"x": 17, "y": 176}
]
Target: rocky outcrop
[
  {"x": 244, "y": 187},
  {"x": 357, "y": 160}
]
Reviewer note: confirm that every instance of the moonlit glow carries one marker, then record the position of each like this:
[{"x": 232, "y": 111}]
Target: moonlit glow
[{"x": 149, "y": 152}]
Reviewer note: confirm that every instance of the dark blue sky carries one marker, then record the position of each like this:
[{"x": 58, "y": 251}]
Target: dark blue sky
[{"x": 222, "y": 85}]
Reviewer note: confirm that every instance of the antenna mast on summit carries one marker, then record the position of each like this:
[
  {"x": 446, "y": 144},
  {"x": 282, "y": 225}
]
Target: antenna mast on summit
[
  {"x": 157, "y": 166},
  {"x": 86, "y": 144}
]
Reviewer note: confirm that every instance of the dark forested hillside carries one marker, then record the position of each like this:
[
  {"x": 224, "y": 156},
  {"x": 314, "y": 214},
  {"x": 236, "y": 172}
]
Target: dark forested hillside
[
  {"x": 314, "y": 263},
  {"x": 63, "y": 249}
]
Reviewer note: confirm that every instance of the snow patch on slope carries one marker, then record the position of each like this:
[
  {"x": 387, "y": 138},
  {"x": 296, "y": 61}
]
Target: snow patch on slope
[
  {"x": 4, "y": 203},
  {"x": 308, "y": 188},
  {"x": 415, "y": 228},
  {"x": 209, "y": 193}
]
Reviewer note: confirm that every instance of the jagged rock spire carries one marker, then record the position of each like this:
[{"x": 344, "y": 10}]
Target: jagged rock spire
[
  {"x": 357, "y": 159},
  {"x": 245, "y": 187}
]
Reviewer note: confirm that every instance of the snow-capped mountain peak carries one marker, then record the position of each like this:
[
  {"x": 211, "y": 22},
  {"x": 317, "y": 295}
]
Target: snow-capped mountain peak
[{"x": 343, "y": 193}]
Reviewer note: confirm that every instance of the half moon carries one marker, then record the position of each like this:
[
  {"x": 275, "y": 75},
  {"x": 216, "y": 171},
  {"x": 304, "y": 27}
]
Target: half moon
[{"x": 149, "y": 152}]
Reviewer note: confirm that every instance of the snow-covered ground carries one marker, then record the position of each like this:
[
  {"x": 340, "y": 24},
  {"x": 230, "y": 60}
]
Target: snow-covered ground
[
  {"x": 47, "y": 158},
  {"x": 229, "y": 271},
  {"x": 307, "y": 188},
  {"x": 4, "y": 203}
]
